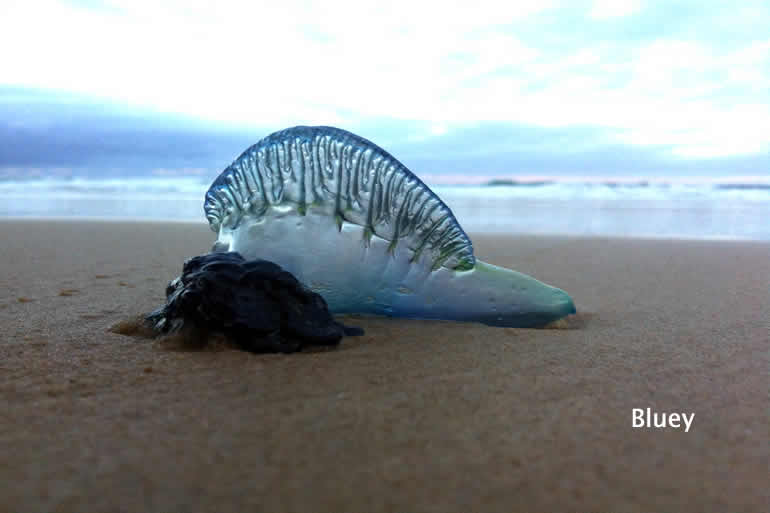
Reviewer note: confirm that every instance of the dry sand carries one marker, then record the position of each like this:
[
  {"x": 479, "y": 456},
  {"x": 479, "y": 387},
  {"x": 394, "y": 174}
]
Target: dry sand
[{"x": 413, "y": 416}]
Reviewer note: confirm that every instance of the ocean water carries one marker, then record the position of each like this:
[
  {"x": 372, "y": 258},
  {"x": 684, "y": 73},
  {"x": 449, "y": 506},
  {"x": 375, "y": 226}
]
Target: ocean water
[{"x": 662, "y": 210}]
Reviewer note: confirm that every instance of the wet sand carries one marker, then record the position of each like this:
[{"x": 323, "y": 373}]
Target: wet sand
[{"x": 413, "y": 416}]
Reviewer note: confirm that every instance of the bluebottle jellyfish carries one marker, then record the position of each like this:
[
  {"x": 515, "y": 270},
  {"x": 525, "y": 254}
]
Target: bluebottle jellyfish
[{"x": 356, "y": 226}]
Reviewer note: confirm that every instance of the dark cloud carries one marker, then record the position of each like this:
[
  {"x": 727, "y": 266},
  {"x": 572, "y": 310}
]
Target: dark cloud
[
  {"x": 507, "y": 149},
  {"x": 42, "y": 129}
]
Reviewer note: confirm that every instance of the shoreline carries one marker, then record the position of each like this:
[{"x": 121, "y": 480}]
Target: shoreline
[{"x": 471, "y": 233}]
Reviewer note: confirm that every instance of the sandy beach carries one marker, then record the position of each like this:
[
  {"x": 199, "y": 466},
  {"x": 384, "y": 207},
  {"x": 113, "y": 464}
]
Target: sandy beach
[{"x": 412, "y": 416}]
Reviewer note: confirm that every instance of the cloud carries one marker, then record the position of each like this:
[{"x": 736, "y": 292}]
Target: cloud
[
  {"x": 44, "y": 129},
  {"x": 689, "y": 79},
  {"x": 45, "y": 133},
  {"x": 603, "y": 9}
]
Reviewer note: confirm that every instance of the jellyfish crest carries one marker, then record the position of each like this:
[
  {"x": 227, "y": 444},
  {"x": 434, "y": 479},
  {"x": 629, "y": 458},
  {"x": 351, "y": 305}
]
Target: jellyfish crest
[{"x": 345, "y": 178}]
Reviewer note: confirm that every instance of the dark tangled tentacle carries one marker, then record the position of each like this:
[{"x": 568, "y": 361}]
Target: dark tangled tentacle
[{"x": 257, "y": 304}]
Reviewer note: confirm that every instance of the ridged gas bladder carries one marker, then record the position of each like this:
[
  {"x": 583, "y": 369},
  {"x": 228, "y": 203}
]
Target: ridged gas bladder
[{"x": 355, "y": 225}]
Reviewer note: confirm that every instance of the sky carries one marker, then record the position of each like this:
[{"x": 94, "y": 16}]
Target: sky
[{"x": 452, "y": 89}]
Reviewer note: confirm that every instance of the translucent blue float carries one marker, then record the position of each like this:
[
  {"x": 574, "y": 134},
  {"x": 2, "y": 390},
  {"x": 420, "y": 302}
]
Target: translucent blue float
[{"x": 355, "y": 225}]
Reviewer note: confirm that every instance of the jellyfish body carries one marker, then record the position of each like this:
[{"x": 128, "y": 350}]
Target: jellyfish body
[{"x": 355, "y": 225}]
